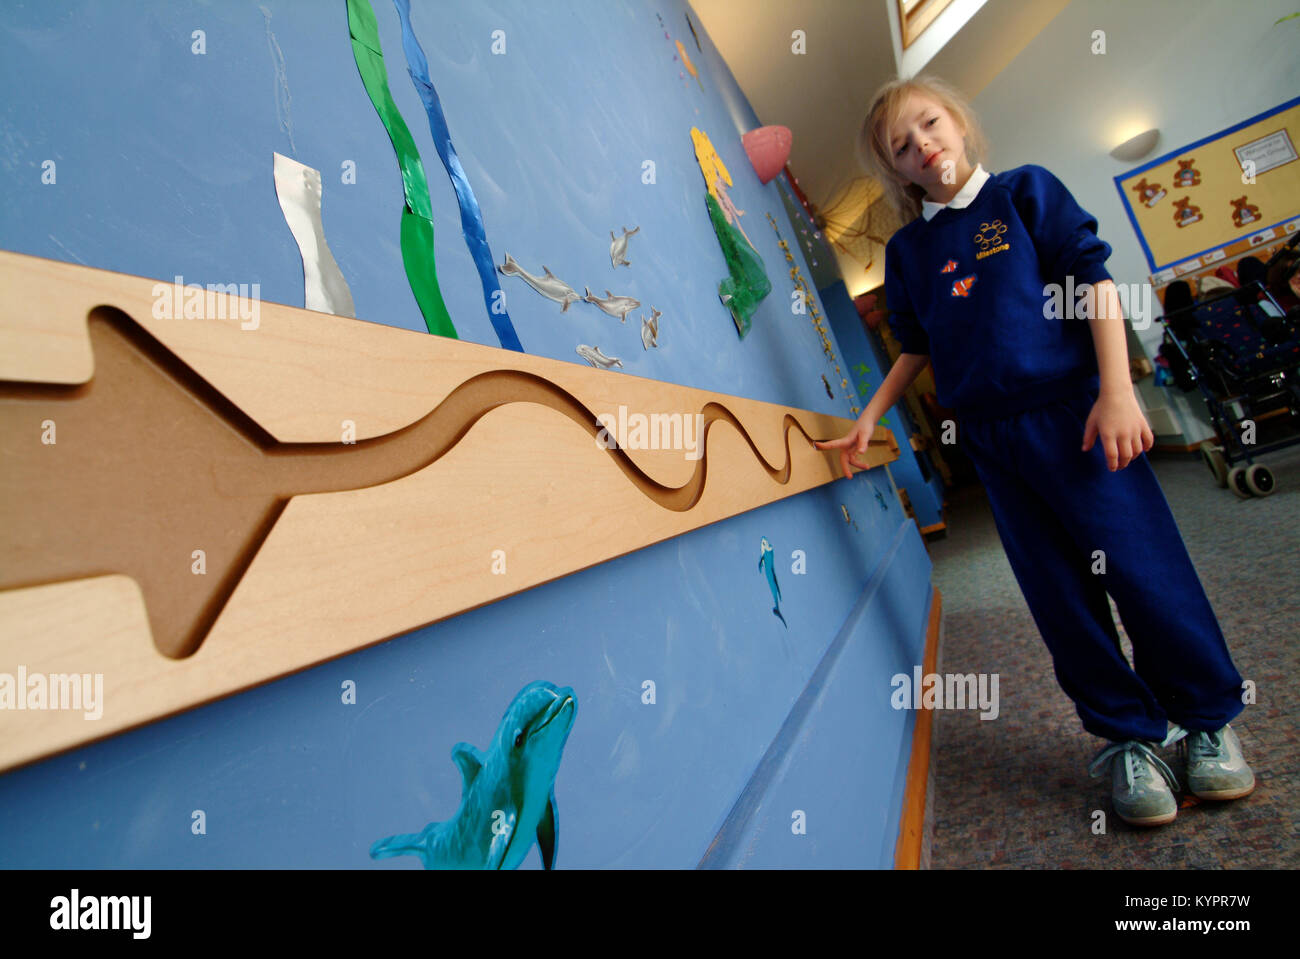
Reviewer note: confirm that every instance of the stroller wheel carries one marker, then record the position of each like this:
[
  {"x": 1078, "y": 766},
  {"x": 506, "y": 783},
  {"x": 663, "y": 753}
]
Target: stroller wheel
[
  {"x": 1237, "y": 482},
  {"x": 1259, "y": 479},
  {"x": 1213, "y": 457}
]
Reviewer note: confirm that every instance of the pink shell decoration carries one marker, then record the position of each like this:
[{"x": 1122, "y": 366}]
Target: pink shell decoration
[{"x": 768, "y": 149}]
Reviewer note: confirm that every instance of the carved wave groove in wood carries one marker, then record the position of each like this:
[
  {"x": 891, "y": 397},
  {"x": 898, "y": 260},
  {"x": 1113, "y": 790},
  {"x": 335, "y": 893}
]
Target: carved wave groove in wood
[
  {"x": 177, "y": 435},
  {"x": 183, "y": 468}
]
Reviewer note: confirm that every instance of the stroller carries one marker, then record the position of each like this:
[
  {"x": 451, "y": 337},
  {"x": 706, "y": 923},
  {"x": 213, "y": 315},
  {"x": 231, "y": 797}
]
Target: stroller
[{"x": 1243, "y": 354}]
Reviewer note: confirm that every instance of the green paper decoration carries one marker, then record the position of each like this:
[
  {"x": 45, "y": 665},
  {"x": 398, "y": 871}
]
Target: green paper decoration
[
  {"x": 747, "y": 283},
  {"x": 417, "y": 215}
]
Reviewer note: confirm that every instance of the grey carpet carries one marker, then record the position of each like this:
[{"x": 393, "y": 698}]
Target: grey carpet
[{"x": 1015, "y": 792}]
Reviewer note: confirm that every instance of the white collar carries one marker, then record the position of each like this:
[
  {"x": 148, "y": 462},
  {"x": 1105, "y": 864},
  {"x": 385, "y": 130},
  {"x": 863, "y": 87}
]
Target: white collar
[{"x": 964, "y": 196}]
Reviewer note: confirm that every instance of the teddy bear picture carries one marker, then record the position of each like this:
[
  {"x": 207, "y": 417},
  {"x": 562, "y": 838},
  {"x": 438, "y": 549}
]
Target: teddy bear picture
[
  {"x": 1187, "y": 175},
  {"x": 1184, "y": 213},
  {"x": 1243, "y": 212},
  {"x": 1149, "y": 193}
]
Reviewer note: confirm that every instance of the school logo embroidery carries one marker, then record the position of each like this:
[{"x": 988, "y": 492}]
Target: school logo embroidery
[
  {"x": 962, "y": 286},
  {"x": 949, "y": 267},
  {"x": 989, "y": 239}
]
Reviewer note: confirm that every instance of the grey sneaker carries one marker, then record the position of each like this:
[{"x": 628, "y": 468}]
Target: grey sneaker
[
  {"x": 1216, "y": 769},
  {"x": 1142, "y": 786}
]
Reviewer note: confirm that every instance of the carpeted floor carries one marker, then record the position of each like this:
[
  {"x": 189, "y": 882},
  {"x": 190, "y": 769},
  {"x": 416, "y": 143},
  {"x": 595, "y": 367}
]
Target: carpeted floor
[{"x": 1015, "y": 792}]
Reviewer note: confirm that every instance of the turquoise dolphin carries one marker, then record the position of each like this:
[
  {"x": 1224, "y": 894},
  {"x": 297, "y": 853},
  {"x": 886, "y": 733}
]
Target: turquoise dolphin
[
  {"x": 766, "y": 563},
  {"x": 507, "y": 796}
]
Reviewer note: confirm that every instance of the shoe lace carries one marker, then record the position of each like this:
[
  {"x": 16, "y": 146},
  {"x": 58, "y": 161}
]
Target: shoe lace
[
  {"x": 1176, "y": 734},
  {"x": 1134, "y": 752},
  {"x": 1196, "y": 744}
]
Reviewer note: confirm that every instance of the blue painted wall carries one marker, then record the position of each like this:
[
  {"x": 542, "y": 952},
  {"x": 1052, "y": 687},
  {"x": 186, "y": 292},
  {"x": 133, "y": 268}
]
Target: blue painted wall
[{"x": 164, "y": 168}]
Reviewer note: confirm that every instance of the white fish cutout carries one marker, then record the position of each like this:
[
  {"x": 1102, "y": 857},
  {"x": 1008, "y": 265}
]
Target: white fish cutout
[
  {"x": 650, "y": 329},
  {"x": 619, "y": 306},
  {"x": 596, "y": 358},
  {"x": 618, "y": 247},
  {"x": 550, "y": 285}
]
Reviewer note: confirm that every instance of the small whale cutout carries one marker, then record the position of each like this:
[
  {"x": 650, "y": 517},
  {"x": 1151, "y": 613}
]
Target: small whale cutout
[
  {"x": 618, "y": 306},
  {"x": 549, "y": 285},
  {"x": 618, "y": 247},
  {"x": 596, "y": 358},
  {"x": 650, "y": 329}
]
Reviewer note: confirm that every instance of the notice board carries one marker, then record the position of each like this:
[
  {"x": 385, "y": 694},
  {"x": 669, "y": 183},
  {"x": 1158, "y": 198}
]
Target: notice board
[{"x": 1219, "y": 197}]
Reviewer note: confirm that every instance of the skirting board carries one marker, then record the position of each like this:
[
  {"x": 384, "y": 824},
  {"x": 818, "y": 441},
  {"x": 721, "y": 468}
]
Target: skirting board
[
  {"x": 195, "y": 504},
  {"x": 911, "y": 827}
]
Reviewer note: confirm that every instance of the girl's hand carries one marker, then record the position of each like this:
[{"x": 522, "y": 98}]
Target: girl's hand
[
  {"x": 853, "y": 443},
  {"x": 1117, "y": 419}
]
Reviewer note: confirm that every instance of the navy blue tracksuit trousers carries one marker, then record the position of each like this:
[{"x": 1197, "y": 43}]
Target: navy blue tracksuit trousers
[{"x": 1055, "y": 506}]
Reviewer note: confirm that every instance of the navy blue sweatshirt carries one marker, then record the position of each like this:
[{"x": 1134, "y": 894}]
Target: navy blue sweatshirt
[{"x": 968, "y": 287}]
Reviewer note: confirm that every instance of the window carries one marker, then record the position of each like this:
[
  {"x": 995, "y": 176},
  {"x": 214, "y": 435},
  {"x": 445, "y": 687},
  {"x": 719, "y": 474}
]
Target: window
[{"x": 916, "y": 15}]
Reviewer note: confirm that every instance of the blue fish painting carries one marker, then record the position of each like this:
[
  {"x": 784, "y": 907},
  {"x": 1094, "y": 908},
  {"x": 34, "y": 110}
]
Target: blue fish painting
[
  {"x": 507, "y": 796},
  {"x": 767, "y": 564}
]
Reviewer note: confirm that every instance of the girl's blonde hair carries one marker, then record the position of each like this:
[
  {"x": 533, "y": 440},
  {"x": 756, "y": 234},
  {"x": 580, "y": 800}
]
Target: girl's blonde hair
[{"x": 873, "y": 139}]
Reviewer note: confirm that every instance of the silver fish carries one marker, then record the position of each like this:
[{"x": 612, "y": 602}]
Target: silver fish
[
  {"x": 650, "y": 329},
  {"x": 618, "y": 247},
  {"x": 619, "y": 306},
  {"x": 550, "y": 285},
  {"x": 596, "y": 358}
]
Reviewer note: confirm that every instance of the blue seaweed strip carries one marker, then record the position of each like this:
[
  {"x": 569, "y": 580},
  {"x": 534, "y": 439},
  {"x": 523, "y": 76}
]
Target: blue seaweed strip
[{"x": 471, "y": 218}]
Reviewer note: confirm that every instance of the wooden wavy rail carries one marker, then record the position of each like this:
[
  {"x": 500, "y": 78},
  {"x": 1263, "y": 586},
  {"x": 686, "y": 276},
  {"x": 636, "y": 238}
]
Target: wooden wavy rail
[{"x": 176, "y": 435}]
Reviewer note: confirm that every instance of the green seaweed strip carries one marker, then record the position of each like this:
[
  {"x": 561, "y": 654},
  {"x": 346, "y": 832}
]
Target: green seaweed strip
[
  {"x": 417, "y": 255},
  {"x": 417, "y": 216}
]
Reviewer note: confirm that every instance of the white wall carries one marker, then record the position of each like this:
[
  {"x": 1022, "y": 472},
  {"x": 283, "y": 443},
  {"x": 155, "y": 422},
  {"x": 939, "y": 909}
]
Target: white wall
[{"x": 1188, "y": 67}]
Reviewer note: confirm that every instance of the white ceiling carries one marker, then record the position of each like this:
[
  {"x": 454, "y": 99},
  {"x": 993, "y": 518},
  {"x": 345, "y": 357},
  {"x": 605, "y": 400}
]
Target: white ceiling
[{"x": 824, "y": 95}]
